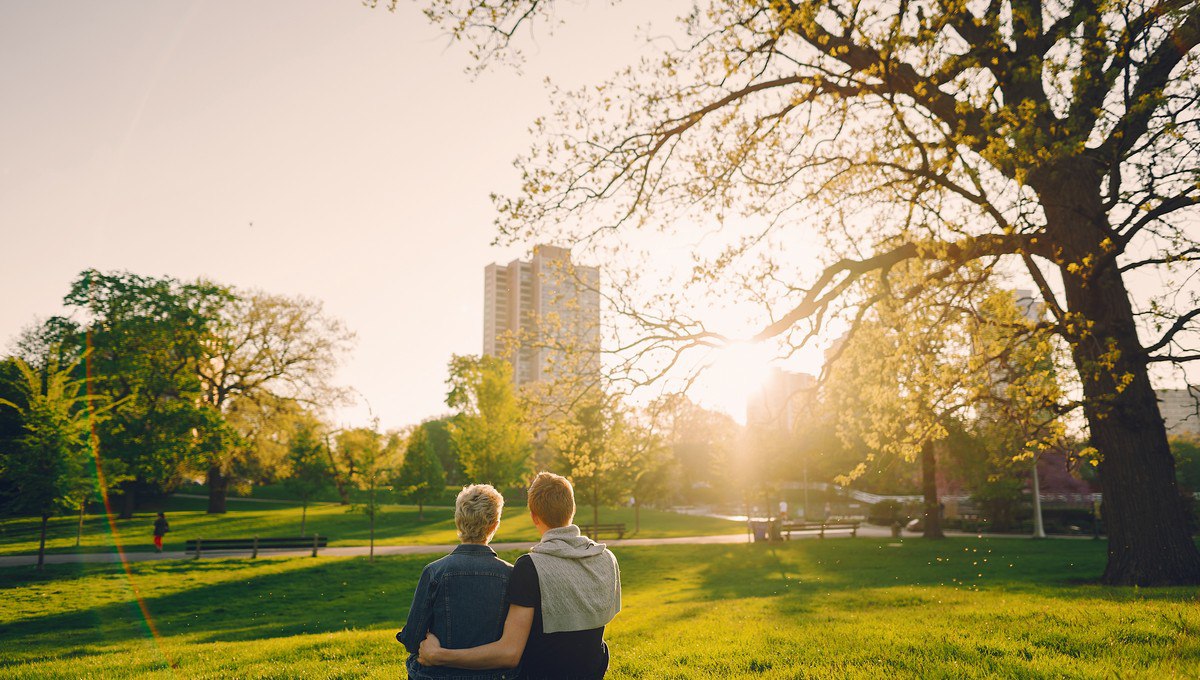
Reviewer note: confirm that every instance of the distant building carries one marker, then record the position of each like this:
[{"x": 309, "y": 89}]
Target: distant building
[
  {"x": 835, "y": 348},
  {"x": 542, "y": 315},
  {"x": 1028, "y": 304},
  {"x": 781, "y": 401},
  {"x": 1180, "y": 410}
]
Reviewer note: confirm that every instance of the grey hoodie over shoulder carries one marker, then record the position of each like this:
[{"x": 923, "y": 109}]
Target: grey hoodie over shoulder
[{"x": 579, "y": 580}]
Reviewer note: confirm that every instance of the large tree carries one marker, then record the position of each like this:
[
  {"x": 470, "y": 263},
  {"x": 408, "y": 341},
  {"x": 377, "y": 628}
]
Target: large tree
[
  {"x": 262, "y": 354},
  {"x": 1061, "y": 137},
  {"x": 146, "y": 338}
]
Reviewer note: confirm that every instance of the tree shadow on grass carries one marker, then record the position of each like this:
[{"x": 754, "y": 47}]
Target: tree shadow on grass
[
  {"x": 802, "y": 569},
  {"x": 300, "y": 598}
]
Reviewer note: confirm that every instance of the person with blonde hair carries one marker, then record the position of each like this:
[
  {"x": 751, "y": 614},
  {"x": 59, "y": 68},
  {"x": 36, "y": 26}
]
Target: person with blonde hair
[
  {"x": 561, "y": 596},
  {"x": 460, "y": 597}
]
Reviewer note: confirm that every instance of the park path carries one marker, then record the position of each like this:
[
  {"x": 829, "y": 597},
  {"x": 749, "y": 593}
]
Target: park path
[
  {"x": 342, "y": 551},
  {"x": 278, "y": 501},
  {"x": 360, "y": 550}
]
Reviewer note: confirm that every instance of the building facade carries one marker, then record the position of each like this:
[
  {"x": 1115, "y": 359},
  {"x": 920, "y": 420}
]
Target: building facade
[
  {"x": 543, "y": 315},
  {"x": 782, "y": 401},
  {"x": 1180, "y": 410}
]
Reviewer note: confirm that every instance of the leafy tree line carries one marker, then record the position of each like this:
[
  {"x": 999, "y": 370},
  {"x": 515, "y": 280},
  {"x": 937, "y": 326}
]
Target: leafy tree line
[{"x": 174, "y": 379}]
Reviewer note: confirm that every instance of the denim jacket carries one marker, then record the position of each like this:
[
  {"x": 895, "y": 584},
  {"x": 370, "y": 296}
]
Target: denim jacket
[{"x": 460, "y": 599}]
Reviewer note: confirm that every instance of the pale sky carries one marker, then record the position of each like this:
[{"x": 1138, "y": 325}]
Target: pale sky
[
  {"x": 315, "y": 148},
  {"x": 148, "y": 136}
]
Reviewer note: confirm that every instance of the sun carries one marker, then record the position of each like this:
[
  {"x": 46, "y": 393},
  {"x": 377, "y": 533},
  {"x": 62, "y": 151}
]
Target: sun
[{"x": 731, "y": 375}]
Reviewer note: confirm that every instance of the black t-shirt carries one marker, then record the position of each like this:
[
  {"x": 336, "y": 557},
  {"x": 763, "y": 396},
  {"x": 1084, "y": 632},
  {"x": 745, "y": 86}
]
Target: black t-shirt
[{"x": 566, "y": 655}]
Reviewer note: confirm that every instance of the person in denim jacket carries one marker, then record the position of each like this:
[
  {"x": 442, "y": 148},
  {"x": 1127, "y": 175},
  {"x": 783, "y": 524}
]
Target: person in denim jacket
[{"x": 460, "y": 598}]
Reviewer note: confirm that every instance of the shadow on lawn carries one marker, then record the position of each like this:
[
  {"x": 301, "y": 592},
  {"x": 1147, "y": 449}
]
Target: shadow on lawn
[
  {"x": 316, "y": 597},
  {"x": 803, "y": 569},
  {"x": 19, "y": 535}
]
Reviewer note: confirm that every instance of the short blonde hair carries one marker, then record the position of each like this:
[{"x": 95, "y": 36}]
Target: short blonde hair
[
  {"x": 552, "y": 499},
  {"x": 476, "y": 512}
]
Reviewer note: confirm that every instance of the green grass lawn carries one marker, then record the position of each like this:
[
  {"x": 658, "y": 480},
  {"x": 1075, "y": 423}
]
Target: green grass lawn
[
  {"x": 395, "y": 524},
  {"x": 826, "y": 609}
]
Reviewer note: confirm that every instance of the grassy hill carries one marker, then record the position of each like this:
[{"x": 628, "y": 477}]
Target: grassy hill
[{"x": 838, "y": 608}]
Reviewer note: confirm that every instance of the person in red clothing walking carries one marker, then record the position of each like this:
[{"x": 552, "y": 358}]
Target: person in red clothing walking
[{"x": 160, "y": 529}]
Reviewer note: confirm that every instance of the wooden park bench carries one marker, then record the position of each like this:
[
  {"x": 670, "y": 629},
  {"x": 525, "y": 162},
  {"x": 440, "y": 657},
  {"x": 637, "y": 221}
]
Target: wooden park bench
[
  {"x": 593, "y": 531},
  {"x": 201, "y": 545},
  {"x": 822, "y": 527}
]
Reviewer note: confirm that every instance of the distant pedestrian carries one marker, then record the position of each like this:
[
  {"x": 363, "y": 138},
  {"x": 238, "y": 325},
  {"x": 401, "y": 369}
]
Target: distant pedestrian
[{"x": 160, "y": 529}]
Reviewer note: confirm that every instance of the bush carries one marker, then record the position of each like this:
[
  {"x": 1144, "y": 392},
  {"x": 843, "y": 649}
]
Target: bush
[{"x": 887, "y": 513}]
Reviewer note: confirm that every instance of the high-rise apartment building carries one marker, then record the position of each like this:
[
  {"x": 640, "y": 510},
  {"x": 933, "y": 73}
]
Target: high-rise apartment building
[
  {"x": 782, "y": 401},
  {"x": 543, "y": 315}
]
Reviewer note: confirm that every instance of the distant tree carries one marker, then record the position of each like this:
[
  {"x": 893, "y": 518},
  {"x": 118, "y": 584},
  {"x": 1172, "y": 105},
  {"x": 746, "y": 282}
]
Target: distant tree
[
  {"x": 420, "y": 478},
  {"x": 309, "y": 472},
  {"x": 264, "y": 428},
  {"x": 50, "y": 465},
  {"x": 11, "y": 426},
  {"x": 705, "y": 445},
  {"x": 490, "y": 432},
  {"x": 593, "y": 449},
  {"x": 1020, "y": 398},
  {"x": 897, "y": 382},
  {"x": 262, "y": 350},
  {"x": 438, "y": 430},
  {"x": 650, "y": 470}
]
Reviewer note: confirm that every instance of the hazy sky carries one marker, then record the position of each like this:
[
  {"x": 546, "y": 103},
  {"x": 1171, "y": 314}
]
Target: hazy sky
[{"x": 314, "y": 148}]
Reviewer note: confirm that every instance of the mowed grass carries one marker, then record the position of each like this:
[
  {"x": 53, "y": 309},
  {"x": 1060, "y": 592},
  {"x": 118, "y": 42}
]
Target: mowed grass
[
  {"x": 346, "y": 526},
  {"x": 837, "y": 608}
]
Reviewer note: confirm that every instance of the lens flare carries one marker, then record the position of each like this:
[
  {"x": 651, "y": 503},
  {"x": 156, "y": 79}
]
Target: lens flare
[{"x": 94, "y": 441}]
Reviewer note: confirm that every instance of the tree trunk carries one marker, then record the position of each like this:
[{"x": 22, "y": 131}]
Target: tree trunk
[
  {"x": 218, "y": 489},
  {"x": 42, "y": 543},
  {"x": 637, "y": 515},
  {"x": 82, "y": 512},
  {"x": 420, "y": 509},
  {"x": 933, "y": 510},
  {"x": 303, "y": 517},
  {"x": 595, "y": 507},
  {"x": 1148, "y": 539},
  {"x": 128, "y": 499},
  {"x": 1039, "y": 529},
  {"x": 339, "y": 480}
]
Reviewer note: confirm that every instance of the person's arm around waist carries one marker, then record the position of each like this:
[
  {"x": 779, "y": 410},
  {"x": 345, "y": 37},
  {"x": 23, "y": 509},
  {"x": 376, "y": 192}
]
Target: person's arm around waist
[
  {"x": 419, "y": 614},
  {"x": 503, "y": 653}
]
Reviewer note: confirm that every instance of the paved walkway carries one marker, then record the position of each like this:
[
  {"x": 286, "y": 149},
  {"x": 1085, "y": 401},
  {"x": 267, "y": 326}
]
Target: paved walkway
[
  {"x": 277, "y": 501},
  {"x": 341, "y": 551}
]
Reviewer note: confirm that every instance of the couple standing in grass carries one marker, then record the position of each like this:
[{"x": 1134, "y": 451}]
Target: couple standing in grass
[{"x": 476, "y": 616}]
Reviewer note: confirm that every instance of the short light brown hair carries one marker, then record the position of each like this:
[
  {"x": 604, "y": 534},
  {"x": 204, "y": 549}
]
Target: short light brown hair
[
  {"x": 476, "y": 510},
  {"x": 552, "y": 499}
]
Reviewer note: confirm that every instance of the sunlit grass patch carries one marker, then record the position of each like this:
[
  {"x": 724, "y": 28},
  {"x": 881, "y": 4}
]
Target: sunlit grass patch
[
  {"x": 825, "y": 609},
  {"x": 346, "y": 526}
]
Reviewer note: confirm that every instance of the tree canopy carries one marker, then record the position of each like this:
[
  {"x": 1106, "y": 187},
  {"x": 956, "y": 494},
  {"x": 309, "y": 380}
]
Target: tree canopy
[
  {"x": 491, "y": 432},
  {"x": 1059, "y": 139}
]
